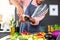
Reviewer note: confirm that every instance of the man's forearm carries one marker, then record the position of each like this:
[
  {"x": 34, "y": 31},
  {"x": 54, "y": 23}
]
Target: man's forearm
[
  {"x": 39, "y": 18},
  {"x": 17, "y": 5},
  {"x": 15, "y": 2}
]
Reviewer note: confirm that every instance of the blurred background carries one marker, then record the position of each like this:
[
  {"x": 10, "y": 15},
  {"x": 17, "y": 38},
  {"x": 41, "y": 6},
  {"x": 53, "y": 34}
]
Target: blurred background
[{"x": 7, "y": 12}]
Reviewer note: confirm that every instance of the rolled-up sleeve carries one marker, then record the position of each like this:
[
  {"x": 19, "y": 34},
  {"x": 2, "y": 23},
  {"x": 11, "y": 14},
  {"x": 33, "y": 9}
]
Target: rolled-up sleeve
[{"x": 39, "y": 13}]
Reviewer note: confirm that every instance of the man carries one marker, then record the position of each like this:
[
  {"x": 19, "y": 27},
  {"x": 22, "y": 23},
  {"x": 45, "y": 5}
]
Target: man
[{"x": 30, "y": 27}]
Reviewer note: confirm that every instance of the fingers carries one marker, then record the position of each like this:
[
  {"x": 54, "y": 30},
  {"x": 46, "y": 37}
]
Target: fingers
[{"x": 22, "y": 20}]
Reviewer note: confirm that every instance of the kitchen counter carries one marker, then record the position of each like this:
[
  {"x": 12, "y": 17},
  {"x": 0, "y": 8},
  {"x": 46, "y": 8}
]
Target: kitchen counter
[{"x": 3, "y": 34}]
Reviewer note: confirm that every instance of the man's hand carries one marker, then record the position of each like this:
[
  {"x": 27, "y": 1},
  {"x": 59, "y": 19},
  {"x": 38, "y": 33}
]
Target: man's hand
[
  {"x": 27, "y": 18},
  {"x": 21, "y": 19}
]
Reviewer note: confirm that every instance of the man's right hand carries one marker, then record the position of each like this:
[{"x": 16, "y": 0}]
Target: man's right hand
[{"x": 21, "y": 19}]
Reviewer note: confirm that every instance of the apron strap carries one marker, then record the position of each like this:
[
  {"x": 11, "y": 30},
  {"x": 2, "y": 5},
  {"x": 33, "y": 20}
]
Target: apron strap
[{"x": 31, "y": 1}]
